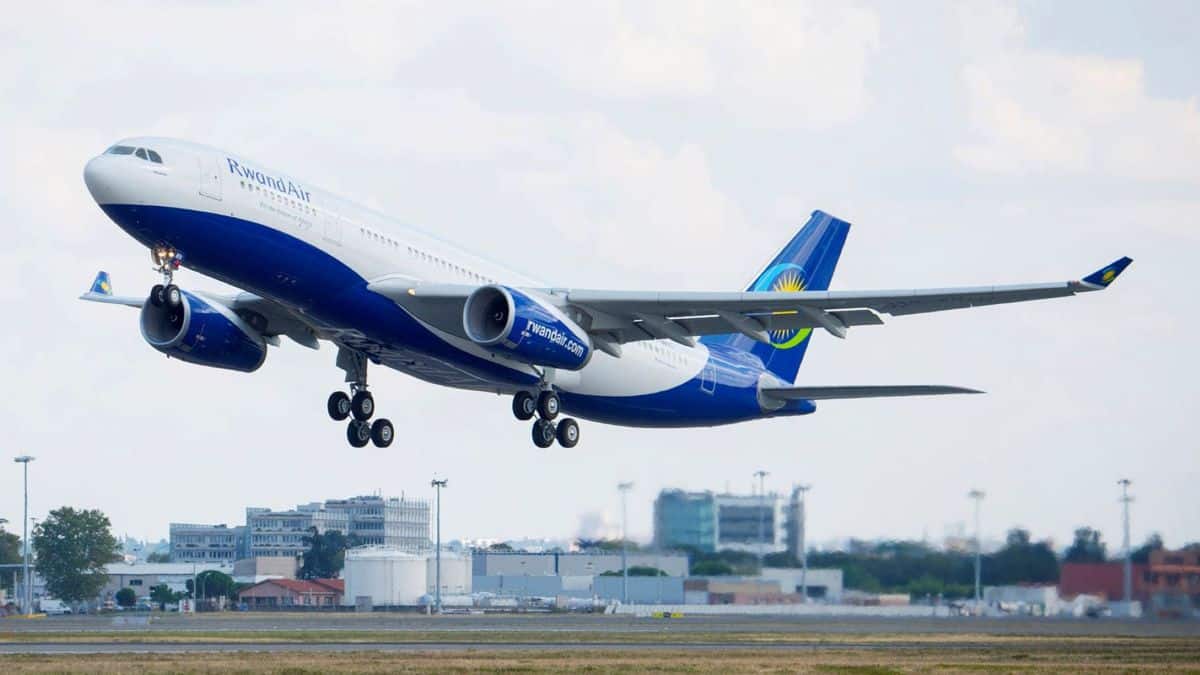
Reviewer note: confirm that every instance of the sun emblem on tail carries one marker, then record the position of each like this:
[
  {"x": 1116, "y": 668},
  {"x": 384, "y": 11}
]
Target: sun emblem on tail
[{"x": 785, "y": 278}]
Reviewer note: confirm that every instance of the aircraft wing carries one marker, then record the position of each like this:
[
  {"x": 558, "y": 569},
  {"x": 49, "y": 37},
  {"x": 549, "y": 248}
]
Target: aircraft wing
[{"x": 627, "y": 316}]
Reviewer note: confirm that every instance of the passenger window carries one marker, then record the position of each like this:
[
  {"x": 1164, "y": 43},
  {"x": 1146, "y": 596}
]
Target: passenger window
[
  {"x": 141, "y": 153},
  {"x": 154, "y": 157}
]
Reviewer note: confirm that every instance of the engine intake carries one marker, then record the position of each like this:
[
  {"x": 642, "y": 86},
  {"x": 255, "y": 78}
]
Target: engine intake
[
  {"x": 203, "y": 333},
  {"x": 525, "y": 327}
]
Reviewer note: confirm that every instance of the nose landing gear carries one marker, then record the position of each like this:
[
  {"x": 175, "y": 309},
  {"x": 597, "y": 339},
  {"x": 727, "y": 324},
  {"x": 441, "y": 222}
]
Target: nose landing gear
[{"x": 546, "y": 405}]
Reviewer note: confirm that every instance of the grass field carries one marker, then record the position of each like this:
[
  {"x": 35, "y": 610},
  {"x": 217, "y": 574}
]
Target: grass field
[{"x": 1142, "y": 656}]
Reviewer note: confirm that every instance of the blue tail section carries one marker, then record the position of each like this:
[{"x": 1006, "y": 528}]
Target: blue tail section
[
  {"x": 805, "y": 264},
  {"x": 102, "y": 286}
]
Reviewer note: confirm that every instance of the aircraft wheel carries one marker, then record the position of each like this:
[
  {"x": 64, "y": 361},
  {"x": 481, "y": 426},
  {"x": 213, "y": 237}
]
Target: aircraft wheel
[
  {"x": 338, "y": 406},
  {"x": 358, "y": 433},
  {"x": 157, "y": 296},
  {"x": 173, "y": 295},
  {"x": 382, "y": 433},
  {"x": 524, "y": 405},
  {"x": 362, "y": 406},
  {"x": 548, "y": 404},
  {"x": 567, "y": 432},
  {"x": 543, "y": 433}
]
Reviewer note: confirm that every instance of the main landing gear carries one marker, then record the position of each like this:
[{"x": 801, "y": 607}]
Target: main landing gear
[
  {"x": 360, "y": 406},
  {"x": 546, "y": 405}
]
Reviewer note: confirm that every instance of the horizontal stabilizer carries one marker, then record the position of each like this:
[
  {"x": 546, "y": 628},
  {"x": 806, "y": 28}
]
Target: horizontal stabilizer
[
  {"x": 101, "y": 291},
  {"x": 885, "y": 391}
]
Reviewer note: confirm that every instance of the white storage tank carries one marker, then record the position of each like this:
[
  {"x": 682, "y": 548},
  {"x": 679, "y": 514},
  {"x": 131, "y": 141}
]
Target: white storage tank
[
  {"x": 456, "y": 574},
  {"x": 387, "y": 576}
]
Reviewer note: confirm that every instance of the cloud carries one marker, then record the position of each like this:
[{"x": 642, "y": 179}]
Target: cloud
[{"x": 1037, "y": 111}]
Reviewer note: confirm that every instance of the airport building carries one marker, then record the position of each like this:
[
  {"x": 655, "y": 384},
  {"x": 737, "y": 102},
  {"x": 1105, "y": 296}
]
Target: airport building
[
  {"x": 710, "y": 522},
  {"x": 585, "y": 563},
  {"x": 195, "y": 543},
  {"x": 396, "y": 523}
]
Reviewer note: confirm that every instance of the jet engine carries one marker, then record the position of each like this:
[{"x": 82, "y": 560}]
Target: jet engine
[
  {"x": 192, "y": 329},
  {"x": 525, "y": 327}
]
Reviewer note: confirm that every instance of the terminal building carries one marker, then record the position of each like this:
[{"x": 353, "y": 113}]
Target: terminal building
[
  {"x": 397, "y": 523},
  {"x": 196, "y": 543},
  {"x": 709, "y": 522}
]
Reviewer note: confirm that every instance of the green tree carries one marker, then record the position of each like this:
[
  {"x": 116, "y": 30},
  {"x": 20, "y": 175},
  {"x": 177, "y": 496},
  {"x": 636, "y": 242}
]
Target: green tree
[
  {"x": 637, "y": 571},
  {"x": 10, "y": 554},
  {"x": 1021, "y": 561},
  {"x": 158, "y": 558},
  {"x": 1087, "y": 547},
  {"x": 325, "y": 554},
  {"x": 1141, "y": 554},
  {"x": 72, "y": 548},
  {"x": 711, "y": 568},
  {"x": 162, "y": 595},
  {"x": 213, "y": 584},
  {"x": 126, "y": 597},
  {"x": 501, "y": 546},
  {"x": 603, "y": 544}
]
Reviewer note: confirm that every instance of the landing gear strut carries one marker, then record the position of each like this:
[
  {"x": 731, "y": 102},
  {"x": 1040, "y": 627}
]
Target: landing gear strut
[
  {"x": 546, "y": 405},
  {"x": 360, "y": 406}
]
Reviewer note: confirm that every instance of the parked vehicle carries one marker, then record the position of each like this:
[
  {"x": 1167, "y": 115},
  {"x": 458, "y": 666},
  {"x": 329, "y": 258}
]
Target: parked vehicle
[{"x": 55, "y": 607}]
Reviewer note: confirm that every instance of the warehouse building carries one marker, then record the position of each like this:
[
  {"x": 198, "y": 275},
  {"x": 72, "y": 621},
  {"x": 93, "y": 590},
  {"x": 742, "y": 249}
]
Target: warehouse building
[{"x": 586, "y": 563}]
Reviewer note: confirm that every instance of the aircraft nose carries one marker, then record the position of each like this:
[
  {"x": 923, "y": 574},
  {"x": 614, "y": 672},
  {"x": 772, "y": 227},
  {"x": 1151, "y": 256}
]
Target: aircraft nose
[{"x": 98, "y": 175}]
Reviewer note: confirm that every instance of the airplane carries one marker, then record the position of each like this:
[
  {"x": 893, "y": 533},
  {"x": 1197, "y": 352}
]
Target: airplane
[{"x": 314, "y": 267}]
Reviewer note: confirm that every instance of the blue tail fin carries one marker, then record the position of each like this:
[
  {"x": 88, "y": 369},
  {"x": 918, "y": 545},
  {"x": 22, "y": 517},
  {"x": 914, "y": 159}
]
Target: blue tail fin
[
  {"x": 805, "y": 264},
  {"x": 102, "y": 285}
]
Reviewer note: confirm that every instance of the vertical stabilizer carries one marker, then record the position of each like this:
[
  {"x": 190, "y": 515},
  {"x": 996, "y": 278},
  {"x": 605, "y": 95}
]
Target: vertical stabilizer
[{"x": 805, "y": 264}]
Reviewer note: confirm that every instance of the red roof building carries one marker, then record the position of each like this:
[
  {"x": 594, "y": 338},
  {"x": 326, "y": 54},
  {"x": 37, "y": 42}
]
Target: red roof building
[
  {"x": 1106, "y": 580},
  {"x": 297, "y": 593}
]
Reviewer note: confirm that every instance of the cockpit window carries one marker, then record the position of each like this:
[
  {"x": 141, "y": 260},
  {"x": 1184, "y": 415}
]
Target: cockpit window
[
  {"x": 154, "y": 156},
  {"x": 141, "y": 153},
  {"x": 120, "y": 150}
]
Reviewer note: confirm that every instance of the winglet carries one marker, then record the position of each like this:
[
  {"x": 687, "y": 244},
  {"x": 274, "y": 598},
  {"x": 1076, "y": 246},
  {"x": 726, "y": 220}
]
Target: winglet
[
  {"x": 102, "y": 285},
  {"x": 1104, "y": 276}
]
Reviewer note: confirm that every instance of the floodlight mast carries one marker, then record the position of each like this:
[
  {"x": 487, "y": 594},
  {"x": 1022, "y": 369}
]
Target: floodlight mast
[
  {"x": 1128, "y": 571},
  {"x": 762, "y": 512},
  {"x": 803, "y": 490},
  {"x": 437, "y": 551},
  {"x": 978, "y": 496},
  {"x": 27, "y": 600},
  {"x": 624, "y": 489}
]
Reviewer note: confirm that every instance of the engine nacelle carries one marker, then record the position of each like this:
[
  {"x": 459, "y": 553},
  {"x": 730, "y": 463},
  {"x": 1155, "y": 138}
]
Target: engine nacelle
[
  {"x": 205, "y": 333},
  {"x": 525, "y": 328}
]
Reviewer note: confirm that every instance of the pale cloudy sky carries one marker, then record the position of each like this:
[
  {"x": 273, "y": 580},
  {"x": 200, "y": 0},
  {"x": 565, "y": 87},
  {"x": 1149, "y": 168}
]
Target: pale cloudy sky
[{"x": 637, "y": 145}]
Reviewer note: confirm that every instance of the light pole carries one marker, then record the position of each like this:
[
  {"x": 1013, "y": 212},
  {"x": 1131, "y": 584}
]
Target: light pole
[
  {"x": 624, "y": 488},
  {"x": 803, "y": 490},
  {"x": 978, "y": 496},
  {"x": 1125, "y": 499},
  {"x": 762, "y": 513},
  {"x": 437, "y": 551},
  {"x": 27, "y": 601}
]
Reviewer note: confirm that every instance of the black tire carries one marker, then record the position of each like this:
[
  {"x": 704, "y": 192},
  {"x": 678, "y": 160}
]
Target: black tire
[
  {"x": 382, "y": 433},
  {"x": 543, "y": 433},
  {"x": 358, "y": 433},
  {"x": 567, "y": 432},
  {"x": 157, "y": 297},
  {"x": 338, "y": 406},
  {"x": 548, "y": 405},
  {"x": 173, "y": 295},
  {"x": 524, "y": 405},
  {"x": 362, "y": 406}
]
